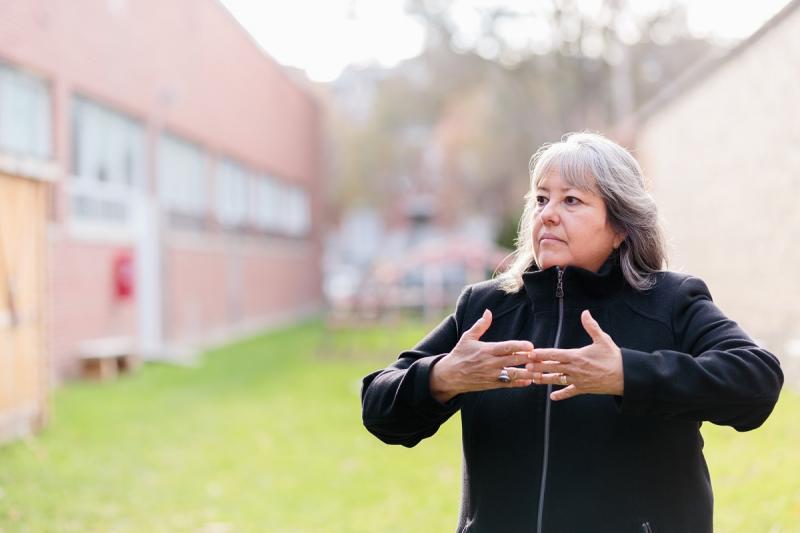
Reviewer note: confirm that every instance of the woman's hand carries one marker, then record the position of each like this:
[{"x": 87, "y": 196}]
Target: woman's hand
[
  {"x": 593, "y": 369},
  {"x": 474, "y": 365}
]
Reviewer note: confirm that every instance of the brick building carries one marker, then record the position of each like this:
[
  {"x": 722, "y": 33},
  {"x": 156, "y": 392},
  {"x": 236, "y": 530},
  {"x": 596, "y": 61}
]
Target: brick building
[
  {"x": 185, "y": 168},
  {"x": 721, "y": 149}
]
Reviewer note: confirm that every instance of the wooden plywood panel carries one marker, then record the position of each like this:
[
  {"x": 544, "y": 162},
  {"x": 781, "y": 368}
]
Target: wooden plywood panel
[{"x": 23, "y": 368}]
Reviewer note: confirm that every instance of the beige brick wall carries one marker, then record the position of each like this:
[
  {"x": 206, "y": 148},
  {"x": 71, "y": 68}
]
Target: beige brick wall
[{"x": 724, "y": 160}]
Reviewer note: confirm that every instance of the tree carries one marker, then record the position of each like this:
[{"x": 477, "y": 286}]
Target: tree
[{"x": 462, "y": 119}]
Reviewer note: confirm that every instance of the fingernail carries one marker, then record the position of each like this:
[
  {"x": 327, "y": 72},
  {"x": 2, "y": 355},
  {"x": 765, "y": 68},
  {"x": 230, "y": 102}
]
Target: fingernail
[{"x": 485, "y": 313}]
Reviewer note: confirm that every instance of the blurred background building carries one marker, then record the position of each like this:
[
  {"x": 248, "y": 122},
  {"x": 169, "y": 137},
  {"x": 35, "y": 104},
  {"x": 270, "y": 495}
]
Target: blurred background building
[
  {"x": 713, "y": 121},
  {"x": 166, "y": 184},
  {"x": 183, "y": 178},
  {"x": 720, "y": 146}
]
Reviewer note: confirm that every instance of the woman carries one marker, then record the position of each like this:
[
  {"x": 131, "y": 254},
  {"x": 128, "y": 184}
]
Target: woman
[{"x": 582, "y": 373}]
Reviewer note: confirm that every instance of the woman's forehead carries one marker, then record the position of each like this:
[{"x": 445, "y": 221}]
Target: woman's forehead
[{"x": 571, "y": 174}]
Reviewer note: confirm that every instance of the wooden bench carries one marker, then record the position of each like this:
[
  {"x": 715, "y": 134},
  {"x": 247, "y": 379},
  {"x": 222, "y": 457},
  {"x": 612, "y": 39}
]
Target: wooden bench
[{"x": 106, "y": 358}]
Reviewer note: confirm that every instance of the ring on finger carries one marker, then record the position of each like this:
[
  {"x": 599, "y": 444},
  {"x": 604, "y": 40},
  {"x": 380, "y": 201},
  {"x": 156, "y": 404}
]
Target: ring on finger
[
  {"x": 504, "y": 377},
  {"x": 563, "y": 379}
]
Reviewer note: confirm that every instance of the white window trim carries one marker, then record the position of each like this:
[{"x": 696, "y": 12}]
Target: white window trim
[
  {"x": 101, "y": 230},
  {"x": 29, "y": 167}
]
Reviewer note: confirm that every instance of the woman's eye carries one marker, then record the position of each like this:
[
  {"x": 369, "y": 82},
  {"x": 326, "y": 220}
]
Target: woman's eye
[
  {"x": 541, "y": 200},
  {"x": 571, "y": 200}
]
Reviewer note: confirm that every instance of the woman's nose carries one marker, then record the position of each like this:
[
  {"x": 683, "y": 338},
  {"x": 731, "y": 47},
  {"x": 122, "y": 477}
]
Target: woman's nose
[{"x": 549, "y": 214}]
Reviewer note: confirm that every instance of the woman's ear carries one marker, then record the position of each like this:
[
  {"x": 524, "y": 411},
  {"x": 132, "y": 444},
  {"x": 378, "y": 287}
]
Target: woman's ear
[{"x": 619, "y": 238}]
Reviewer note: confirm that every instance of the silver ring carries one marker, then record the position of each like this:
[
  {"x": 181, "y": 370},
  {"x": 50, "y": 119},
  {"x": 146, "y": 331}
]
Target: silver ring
[
  {"x": 563, "y": 379},
  {"x": 504, "y": 377}
]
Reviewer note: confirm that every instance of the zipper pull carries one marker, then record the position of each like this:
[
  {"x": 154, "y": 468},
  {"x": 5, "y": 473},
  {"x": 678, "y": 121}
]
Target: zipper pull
[{"x": 560, "y": 286}]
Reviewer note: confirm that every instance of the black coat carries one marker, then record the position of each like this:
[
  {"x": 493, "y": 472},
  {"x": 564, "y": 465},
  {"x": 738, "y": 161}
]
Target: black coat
[{"x": 592, "y": 463}]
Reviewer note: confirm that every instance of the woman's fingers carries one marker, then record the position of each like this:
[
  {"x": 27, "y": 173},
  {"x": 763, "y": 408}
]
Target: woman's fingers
[
  {"x": 509, "y": 347},
  {"x": 575, "y": 371},
  {"x": 519, "y": 376},
  {"x": 549, "y": 367},
  {"x": 550, "y": 378},
  {"x": 552, "y": 354},
  {"x": 563, "y": 394},
  {"x": 480, "y": 326},
  {"x": 515, "y": 359},
  {"x": 592, "y": 327}
]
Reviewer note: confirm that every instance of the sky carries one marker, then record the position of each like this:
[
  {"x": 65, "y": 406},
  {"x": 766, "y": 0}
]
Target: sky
[{"x": 322, "y": 37}]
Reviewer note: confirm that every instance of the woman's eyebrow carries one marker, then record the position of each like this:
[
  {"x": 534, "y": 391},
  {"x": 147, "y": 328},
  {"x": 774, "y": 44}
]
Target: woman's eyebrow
[{"x": 562, "y": 189}]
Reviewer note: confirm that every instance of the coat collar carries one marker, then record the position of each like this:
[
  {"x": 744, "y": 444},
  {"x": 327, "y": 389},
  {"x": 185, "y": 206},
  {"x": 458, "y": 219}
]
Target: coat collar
[{"x": 582, "y": 288}]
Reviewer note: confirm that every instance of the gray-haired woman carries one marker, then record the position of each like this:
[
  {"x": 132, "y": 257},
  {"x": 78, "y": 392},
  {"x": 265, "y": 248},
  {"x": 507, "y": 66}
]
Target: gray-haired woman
[{"x": 584, "y": 371}]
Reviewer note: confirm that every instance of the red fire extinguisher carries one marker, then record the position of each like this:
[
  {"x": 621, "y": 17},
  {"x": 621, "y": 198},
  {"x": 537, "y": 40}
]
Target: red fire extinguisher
[{"x": 123, "y": 273}]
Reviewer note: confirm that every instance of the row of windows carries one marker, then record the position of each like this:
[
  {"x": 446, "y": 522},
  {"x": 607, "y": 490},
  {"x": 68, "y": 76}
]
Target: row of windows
[
  {"x": 246, "y": 198},
  {"x": 109, "y": 161}
]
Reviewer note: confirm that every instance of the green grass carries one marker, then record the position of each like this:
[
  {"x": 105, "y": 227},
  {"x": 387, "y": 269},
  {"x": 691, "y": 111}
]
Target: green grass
[
  {"x": 266, "y": 436},
  {"x": 756, "y": 475}
]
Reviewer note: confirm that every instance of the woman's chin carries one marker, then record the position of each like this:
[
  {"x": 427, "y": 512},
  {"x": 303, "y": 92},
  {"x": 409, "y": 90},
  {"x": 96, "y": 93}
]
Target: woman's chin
[{"x": 548, "y": 262}]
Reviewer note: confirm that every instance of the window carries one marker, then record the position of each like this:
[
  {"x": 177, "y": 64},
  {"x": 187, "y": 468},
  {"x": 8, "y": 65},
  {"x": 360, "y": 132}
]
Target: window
[
  {"x": 298, "y": 216},
  {"x": 280, "y": 208},
  {"x": 272, "y": 205},
  {"x": 182, "y": 179},
  {"x": 292, "y": 215},
  {"x": 258, "y": 212},
  {"x": 268, "y": 205},
  {"x": 108, "y": 163},
  {"x": 232, "y": 194},
  {"x": 261, "y": 202},
  {"x": 25, "y": 121}
]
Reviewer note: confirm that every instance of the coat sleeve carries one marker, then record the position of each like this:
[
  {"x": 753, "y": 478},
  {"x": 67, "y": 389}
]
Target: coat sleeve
[
  {"x": 396, "y": 402},
  {"x": 717, "y": 374}
]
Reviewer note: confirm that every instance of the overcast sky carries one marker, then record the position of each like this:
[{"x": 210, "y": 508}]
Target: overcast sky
[{"x": 323, "y": 36}]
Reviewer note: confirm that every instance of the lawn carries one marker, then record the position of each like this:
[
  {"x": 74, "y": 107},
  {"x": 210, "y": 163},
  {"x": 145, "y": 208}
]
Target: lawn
[{"x": 265, "y": 435}]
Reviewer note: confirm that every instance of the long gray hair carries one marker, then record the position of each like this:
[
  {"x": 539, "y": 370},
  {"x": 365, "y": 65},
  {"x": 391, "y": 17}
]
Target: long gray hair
[{"x": 590, "y": 162}]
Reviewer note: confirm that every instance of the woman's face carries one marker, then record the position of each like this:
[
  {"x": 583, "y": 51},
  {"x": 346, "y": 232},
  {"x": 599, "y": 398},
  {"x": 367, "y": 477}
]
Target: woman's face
[{"x": 570, "y": 226}]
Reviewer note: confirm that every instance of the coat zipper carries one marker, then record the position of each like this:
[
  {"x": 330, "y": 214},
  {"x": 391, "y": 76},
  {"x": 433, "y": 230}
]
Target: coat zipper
[{"x": 546, "y": 453}]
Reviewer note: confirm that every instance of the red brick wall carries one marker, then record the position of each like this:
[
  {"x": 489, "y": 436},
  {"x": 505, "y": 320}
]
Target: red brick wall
[
  {"x": 82, "y": 304},
  {"x": 216, "y": 286},
  {"x": 196, "y": 290},
  {"x": 186, "y": 65}
]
